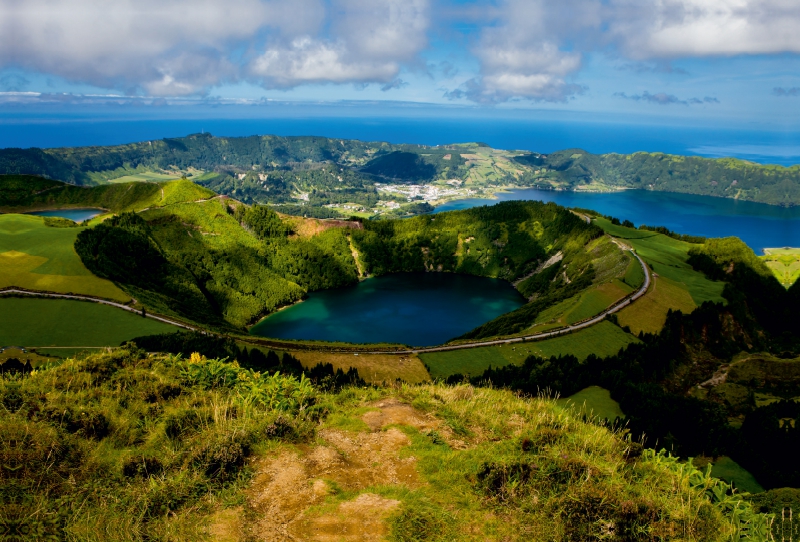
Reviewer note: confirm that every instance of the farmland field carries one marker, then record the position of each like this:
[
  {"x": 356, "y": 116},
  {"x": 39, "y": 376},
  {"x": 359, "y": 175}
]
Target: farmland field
[
  {"x": 61, "y": 322},
  {"x": 593, "y": 401},
  {"x": 677, "y": 285},
  {"x": 374, "y": 368},
  {"x": 603, "y": 339},
  {"x": 784, "y": 263},
  {"x": 37, "y": 257},
  {"x": 649, "y": 313}
]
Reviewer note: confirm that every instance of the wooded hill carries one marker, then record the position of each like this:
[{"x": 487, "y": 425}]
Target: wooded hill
[
  {"x": 220, "y": 263},
  {"x": 275, "y": 170}
]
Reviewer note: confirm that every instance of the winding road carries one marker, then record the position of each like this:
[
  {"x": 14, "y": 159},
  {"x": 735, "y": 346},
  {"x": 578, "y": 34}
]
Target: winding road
[{"x": 621, "y": 304}]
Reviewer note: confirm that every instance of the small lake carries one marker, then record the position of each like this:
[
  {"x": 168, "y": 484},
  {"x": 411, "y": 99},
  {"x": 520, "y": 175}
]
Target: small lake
[
  {"x": 757, "y": 224},
  {"x": 419, "y": 309},
  {"x": 76, "y": 215}
]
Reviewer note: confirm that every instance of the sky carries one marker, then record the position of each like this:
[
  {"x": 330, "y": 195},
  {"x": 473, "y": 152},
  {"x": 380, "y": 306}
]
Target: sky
[{"x": 710, "y": 62}]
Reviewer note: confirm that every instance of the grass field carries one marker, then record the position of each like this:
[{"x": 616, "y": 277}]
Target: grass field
[
  {"x": 667, "y": 257},
  {"x": 784, "y": 263},
  {"x": 149, "y": 176},
  {"x": 61, "y": 322},
  {"x": 37, "y": 257},
  {"x": 603, "y": 339},
  {"x": 677, "y": 286},
  {"x": 593, "y": 401},
  {"x": 375, "y": 368},
  {"x": 729, "y": 470},
  {"x": 649, "y": 312}
]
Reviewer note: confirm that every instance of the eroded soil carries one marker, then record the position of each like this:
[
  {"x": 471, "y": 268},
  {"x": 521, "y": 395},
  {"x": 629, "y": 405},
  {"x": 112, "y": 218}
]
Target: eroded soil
[{"x": 288, "y": 500}]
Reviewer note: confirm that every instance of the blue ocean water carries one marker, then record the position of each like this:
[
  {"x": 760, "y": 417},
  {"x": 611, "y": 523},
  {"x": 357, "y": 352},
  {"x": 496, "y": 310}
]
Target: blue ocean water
[
  {"x": 525, "y": 133},
  {"x": 757, "y": 224}
]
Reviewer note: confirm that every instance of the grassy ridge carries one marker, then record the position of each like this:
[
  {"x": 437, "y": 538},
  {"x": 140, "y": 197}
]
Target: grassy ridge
[{"x": 25, "y": 193}]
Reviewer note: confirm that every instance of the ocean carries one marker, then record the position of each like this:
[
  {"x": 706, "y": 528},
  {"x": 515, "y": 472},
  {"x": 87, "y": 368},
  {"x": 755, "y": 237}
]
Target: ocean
[{"x": 543, "y": 136}]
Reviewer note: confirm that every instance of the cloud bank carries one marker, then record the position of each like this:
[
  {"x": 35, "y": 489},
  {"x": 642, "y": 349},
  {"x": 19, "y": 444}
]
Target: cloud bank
[{"x": 520, "y": 49}]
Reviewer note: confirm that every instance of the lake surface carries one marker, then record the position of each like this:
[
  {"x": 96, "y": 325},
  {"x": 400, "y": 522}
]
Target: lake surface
[
  {"x": 77, "y": 215},
  {"x": 757, "y": 224},
  {"x": 419, "y": 309}
]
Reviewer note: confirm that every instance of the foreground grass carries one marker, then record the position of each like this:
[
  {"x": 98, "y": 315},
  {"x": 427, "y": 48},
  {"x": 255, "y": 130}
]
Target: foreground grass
[
  {"x": 37, "y": 257},
  {"x": 603, "y": 339},
  {"x": 61, "y": 322},
  {"x": 126, "y": 446}
]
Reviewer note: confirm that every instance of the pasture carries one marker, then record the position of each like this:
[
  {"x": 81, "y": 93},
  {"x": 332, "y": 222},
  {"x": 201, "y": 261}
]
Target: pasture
[
  {"x": 374, "y": 368},
  {"x": 36, "y": 322},
  {"x": 603, "y": 339},
  {"x": 593, "y": 401},
  {"x": 649, "y": 312},
  {"x": 36, "y": 257},
  {"x": 679, "y": 286},
  {"x": 784, "y": 263},
  {"x": 146, "y": 176}
]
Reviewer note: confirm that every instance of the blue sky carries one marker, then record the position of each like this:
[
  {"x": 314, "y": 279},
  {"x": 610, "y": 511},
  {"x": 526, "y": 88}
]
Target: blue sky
[{"x": 695, "y": 61}]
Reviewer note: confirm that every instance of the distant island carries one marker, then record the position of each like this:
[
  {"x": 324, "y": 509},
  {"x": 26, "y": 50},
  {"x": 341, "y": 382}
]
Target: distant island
[{"x": 333, "y": 178}]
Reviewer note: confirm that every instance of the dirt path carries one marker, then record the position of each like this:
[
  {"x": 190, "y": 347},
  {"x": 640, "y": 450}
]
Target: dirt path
[{"x": 287, "y": 499}]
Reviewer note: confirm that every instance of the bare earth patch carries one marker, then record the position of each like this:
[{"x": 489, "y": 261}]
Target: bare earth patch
[{"x": 288, "y": 495}]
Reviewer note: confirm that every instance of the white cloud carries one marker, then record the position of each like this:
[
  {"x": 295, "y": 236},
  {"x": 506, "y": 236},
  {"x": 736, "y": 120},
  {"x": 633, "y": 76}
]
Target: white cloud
[
  {"x": 530, "y": 48},
  {"x": 369, "y": 41},
  {"x": 520, "y": 55},
  {"x": 182, "y": 47},
  {"x": 691, "y": 28}
]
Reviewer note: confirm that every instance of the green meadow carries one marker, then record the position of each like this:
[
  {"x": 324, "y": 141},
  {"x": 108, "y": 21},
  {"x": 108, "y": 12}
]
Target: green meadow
[
  {"x": 784, "y": 263},
  {"x": 603, "y": 339},
  {"x": 37, "y": 257},
  {"x": 676, "y": 285},
  {"x": 593, "y": 401},
  {"x": 60, "y": 322}
]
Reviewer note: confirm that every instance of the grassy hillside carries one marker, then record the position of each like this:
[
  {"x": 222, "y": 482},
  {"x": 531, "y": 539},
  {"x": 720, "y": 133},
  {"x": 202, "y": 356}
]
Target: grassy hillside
[
  {"x": 20, "y": 193},
  {"x": 38, "y": 257},
  {"x": 129, "y": 446},
  {"x": 676, "y": 284},
  {"x": 61, "y": 322},
  {"x": 723, "y": 177}
]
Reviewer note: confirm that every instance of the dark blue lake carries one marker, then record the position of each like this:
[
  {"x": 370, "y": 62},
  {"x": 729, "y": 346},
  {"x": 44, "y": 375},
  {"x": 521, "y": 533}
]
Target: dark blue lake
[
  {"x": 418, "y": 309},
  {"x": 757, "y": 224},
  {"x": 77, "y": 215}
]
